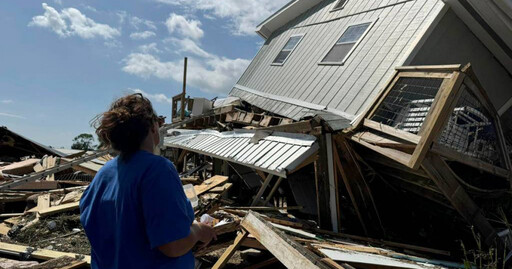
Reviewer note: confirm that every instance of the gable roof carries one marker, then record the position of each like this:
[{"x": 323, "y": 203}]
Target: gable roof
[{"x": 285, "y": 14}]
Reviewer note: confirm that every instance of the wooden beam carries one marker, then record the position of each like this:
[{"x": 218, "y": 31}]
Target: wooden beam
[
  {"x": 467, "y": 160},
  {"x": 431, "y": 68},
  {"x": 437, "y": 117},
  {"x": 444, "y": 178},
  {"x": 223, "y": 260},
  {"x": 182, "y": 156},
  {"x": 357, "y": 188},
  {"x": 262, "y": 189},
  {"x": 43, "y": 254},
  {"x": 58, "y": 209},
  {"x": 290, "y": 253},
  {"x": 322, "y": 185},
  {"x": 410, "y": 137},
  {"x": 274, "y": 189},
  {"x": 296, "y": 127}
]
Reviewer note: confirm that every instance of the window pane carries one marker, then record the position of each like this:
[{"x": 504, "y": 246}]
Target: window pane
[
  {"x": 292, "y": 43},
  {"x": 353, "y": 33},
  {"x": 281, "y": 57},
  {"x": 340, "y": 4},
  {"x": 338, "y": 53}
]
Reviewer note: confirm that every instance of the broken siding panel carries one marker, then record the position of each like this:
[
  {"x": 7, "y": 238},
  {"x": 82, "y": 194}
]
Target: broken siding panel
[{"x": 339, "y": 86}]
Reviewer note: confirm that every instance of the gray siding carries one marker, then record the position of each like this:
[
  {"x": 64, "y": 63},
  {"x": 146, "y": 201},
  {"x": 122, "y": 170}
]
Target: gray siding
[
  {"x": 348, "y": 88},
  {"x": 452, "y": 42}
]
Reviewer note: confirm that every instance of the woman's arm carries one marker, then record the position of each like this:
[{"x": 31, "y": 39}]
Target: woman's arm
[{"x": 198, "y": 232}]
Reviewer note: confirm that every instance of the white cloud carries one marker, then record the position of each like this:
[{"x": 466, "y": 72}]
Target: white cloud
[
  {"x": 7, "y": 101},
  {"x": 157, "y": 97},
  {"x": 11, "y": 115},
  {"x": 188, "y": 28},
  {"x": 216, "y": 74},
  {"x": 71, "y": 22},
  {"x": 187, "y": 45},
  {"x": 136, "y": 22},
  {"x": 142, "y": 35},
  {"x": 148, "y": 48},
  {"x": 243, "y": 15}
]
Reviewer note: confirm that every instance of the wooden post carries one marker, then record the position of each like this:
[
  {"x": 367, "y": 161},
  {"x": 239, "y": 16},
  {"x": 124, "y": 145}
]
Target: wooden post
[
  {"x": 276, "y": 185},
  {"x": 261, "y": 190},
  {"x": 322, "y": 185},
  {"x": 223, "y": 260},
  {"x": 447, "y": 182},
  {"x": 184, "y": 93},
  {"x": 357, "y": 188}
]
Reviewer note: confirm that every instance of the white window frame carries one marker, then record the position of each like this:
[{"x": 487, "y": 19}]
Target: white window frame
[
  {"x": 339, "y": 8},
  {"x": 372, "y": 23},
  {"x": 291, "y": 51}
]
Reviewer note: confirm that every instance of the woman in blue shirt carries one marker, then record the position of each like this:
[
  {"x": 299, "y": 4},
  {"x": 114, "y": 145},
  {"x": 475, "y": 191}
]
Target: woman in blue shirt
[{"x": 135, "y": 212}]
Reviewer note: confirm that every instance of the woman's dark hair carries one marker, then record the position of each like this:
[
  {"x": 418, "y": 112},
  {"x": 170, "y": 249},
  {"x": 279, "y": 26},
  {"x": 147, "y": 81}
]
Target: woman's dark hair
[{"x": 125, "y": 125}]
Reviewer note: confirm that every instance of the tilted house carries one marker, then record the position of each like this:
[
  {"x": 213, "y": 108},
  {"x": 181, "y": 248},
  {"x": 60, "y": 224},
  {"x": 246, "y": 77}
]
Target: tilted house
[
  {"x": 337, "y": 55},
  {"x": 349, "y": 62}
]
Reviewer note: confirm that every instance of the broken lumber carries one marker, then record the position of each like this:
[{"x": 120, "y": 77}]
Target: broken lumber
[
  {"x": 286, "y": 250},
  {"x": 58, "y": 209},
  {"x": 210, "y": 184},
  {"x": 43, "y": 254}
]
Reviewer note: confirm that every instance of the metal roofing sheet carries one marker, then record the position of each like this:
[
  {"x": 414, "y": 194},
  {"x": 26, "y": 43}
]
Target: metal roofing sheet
[
  {"x": 276, "y": 153},
  {"x": 294, "y": 109}
]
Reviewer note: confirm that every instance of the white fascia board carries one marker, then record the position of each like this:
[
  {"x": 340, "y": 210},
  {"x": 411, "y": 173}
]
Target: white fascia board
[{"x": 283, "y": 16}]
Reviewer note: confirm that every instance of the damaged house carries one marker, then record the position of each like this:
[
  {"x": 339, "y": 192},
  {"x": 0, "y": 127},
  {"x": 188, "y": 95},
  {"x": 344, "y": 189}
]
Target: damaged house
[{"x": 381, "y": 118}]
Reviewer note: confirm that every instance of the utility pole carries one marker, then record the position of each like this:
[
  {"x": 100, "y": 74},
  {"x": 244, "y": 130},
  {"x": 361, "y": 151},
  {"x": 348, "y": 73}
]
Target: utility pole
[{"x": 184, "y": 90}]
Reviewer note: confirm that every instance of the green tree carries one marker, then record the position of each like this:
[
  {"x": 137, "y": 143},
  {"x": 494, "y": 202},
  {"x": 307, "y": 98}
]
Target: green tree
[{"x": 83, "y": 142}]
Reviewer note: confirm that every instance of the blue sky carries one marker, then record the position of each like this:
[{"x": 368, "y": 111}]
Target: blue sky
[{"x": 63, "y": 62}]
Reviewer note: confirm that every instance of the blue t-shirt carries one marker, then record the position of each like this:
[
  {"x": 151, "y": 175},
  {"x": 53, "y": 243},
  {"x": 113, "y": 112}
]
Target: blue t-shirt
[{"x": 133, "y": 206}]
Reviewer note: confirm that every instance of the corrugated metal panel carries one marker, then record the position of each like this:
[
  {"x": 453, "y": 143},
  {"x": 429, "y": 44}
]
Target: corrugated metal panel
[
  {"x": 276, "y": 153},
  {"x": 294, "y": 109},
  {"x": 347, "y": 88}
]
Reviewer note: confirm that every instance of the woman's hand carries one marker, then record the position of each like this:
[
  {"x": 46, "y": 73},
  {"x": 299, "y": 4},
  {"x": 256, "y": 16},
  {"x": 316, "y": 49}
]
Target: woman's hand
[
  {"x": 204, "y": 233},
  {"x": 198, "y": 232}
]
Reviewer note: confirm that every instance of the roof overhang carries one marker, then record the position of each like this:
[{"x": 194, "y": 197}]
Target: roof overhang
[
  {"x": 287, "y": 13},
  {"x": 491, "y": 22},
  {"x": 277, "y": 153}
]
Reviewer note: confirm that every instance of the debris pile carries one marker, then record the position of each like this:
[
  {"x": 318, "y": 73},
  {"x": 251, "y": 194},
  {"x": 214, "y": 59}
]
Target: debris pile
[{"x": 414, "y": 183}]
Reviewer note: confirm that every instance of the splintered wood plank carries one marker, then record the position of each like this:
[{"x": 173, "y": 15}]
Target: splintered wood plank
[
  {"x": 43, "y": 202},
  {"x": 4, "y": 228},
  {"x": 223, "y": 260},
  {"x": 43, "y": 254},
  {"x": 290, "y": 253},
  {"x": 58, "y": 209},
  {"x": 210, "y": 184}
]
